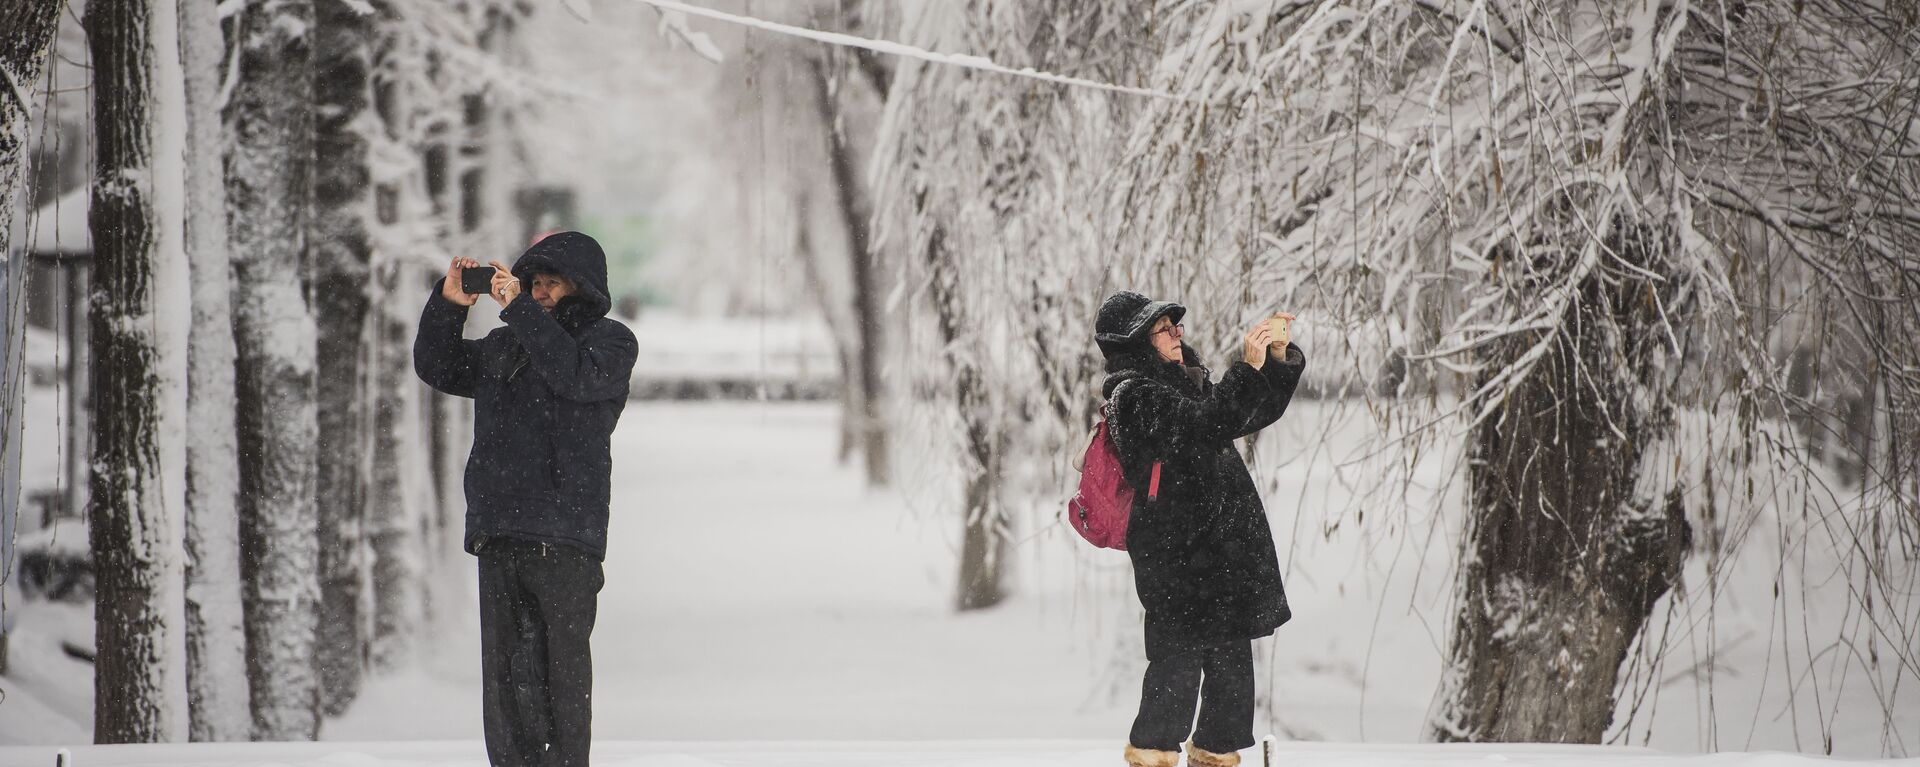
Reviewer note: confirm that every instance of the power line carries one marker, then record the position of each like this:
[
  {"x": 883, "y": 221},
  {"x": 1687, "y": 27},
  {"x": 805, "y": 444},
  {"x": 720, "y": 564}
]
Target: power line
[{"x": 903, "y": 50}]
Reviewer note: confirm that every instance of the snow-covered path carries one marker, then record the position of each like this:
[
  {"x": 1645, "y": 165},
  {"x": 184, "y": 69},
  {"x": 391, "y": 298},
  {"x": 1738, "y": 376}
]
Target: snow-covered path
[
  {"x": 763, "y": 608},
  {"x": 756, "y": 591},
  {"x": 895, "y": 754}
]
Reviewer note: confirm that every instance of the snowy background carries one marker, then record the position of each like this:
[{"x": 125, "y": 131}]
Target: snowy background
[{"x": 797, "y": 605}]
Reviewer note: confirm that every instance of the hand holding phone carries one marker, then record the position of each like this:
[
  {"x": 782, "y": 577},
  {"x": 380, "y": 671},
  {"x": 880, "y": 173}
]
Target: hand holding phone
[{"x": 454, "y": 288}]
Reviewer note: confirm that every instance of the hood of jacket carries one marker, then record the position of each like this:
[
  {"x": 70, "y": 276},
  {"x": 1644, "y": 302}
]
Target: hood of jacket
[{"x": 578, "y": 258}]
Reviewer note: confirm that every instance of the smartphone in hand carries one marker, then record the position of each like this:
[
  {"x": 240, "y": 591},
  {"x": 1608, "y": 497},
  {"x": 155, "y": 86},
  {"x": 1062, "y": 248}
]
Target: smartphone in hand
[{"x": 476, "y": 280}]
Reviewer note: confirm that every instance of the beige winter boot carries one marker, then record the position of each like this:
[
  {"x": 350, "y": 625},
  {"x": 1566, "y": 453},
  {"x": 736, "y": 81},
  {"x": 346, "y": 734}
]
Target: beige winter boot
[
  {"x": 1200, "y": 757},
  {"x": 1146, "y": 757}
]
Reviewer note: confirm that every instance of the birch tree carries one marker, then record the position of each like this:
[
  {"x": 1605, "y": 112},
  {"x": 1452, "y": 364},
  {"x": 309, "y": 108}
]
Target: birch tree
[
  {"x": 269, "y": 177},
  {"x": 138, "y": 318},
  {"x": 404, "y": 532},
  {"x": 398, "y": 532},
  {"x": 216, "y": 635},
  {"x": 342, "y": 253}
]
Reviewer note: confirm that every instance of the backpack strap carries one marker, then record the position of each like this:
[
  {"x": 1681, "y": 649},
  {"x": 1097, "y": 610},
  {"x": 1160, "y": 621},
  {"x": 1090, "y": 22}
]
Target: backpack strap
[
  {"x": 1153, "y": 482},
  {"x": 1115, "y": 397}
]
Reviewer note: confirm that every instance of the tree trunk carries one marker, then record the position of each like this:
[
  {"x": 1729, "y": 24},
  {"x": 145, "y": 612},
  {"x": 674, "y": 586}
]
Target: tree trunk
[
  {"x": 397, "y": 526},
  {"x": 1564, "y": 562},
  {"x": 855, "y": 210},
  {"x": 269, "y": 183},
  {"x": 401, "y": 527},
  {"x": 23, "y": 52},
  {"x": 809, "y": 258},
  {"x": 447, "y": 415},
  {"x": 216, "y": 636},
  {"x": 983, "y": 544},
  {"x": 476, "y": 151},
  {"x": 138, "y": 348},
  {"x": 343, "y": 208}
]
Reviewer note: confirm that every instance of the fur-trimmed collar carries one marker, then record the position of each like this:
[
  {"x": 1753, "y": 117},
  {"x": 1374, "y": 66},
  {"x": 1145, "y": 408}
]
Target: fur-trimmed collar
[{"x": 1146, "y": 363}]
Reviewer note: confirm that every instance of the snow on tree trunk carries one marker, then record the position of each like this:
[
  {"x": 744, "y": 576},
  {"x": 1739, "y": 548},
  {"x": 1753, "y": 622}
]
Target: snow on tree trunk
[
  {"x": 478, "y": 159},
  {"x": 985, "y": 527},
  {"x": 138, "y": 315},
  {"x": 343, "y": 206},
  {"x": 400, "y": 500},
  {"x": 216, "y": 635},
  {"x": 23, "y": 51},
  {"x": 448, "y": 416},
  {"x": 269, "y": 183},
  {"x": 856, "y": 214},
  {"x": 397, "y": 525},
  {"x": 1564, "y": 560}
]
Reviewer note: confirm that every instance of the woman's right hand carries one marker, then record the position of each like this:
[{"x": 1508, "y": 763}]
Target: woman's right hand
[
  {"x": 1257, "y": 341},
  {"x": 450, "y": 287}
]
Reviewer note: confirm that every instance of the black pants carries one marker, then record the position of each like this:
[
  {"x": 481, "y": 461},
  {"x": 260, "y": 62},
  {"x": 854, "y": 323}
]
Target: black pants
[
  {"x": 1219, "y": 679},
  {"x": 537, "y": 605}
]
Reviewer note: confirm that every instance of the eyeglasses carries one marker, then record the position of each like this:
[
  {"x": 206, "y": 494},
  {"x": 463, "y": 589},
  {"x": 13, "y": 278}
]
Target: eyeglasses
[{"x": 1172, "y": 331}]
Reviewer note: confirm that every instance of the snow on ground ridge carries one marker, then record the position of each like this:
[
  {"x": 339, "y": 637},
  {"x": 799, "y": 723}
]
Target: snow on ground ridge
[{"x": 887, "y": 754}]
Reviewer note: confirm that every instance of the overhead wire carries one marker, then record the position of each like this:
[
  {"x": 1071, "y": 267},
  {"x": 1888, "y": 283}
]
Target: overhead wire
[{"x": 967, "y": 61}]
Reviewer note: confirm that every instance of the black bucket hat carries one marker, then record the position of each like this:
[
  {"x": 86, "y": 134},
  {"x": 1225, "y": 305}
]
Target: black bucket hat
[{"x": 1125, "y": 317}]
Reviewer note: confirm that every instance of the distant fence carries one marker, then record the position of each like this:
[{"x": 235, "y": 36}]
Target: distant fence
[{"x": 706, "y": 358}]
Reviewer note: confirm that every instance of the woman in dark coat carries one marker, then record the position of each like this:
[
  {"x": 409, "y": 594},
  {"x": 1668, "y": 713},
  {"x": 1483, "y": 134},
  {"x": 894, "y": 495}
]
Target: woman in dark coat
[{"x": 1203, "y": 556}]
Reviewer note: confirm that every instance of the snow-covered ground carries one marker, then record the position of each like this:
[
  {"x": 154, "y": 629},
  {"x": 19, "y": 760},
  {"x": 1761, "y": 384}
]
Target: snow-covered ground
[
  {"x": 762, "y": 607},
  {"x": 1023, "y": 753}
]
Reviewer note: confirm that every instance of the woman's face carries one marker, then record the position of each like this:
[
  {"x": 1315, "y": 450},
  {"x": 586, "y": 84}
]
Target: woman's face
[
  {"x": 1166, "y": 339},
  {"x": 549, "y": 288}
]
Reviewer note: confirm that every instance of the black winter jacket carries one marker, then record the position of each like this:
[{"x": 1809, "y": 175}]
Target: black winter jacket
[
  {"x": 547, "y": 390},
  {"x": 1203, "y": 554}
]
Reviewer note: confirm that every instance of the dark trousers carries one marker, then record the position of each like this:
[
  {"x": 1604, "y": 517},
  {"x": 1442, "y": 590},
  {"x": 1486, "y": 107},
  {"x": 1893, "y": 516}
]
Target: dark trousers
[
  {"x": 1219, "y": 679},
  {"x": 537, "y": 605}
]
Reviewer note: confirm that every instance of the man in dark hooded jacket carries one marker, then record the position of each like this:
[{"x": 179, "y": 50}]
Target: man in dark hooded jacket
[
  {"x": 1203, "y": 555},
  {"x": 547, "y": 389}
]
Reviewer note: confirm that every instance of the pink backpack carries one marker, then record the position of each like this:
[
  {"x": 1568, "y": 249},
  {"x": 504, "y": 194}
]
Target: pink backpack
[{"x": 1099, "y": 511}]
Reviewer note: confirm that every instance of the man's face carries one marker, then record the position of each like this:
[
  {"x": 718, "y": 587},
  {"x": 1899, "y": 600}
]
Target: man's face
[{"x": 548, "y": 289}]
